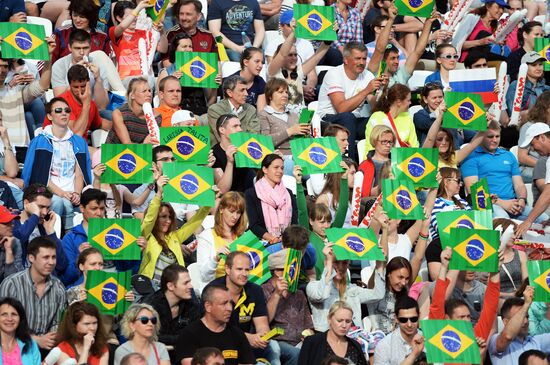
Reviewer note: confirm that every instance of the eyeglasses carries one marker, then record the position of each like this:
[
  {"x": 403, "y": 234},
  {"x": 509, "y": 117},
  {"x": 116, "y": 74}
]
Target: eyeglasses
[
  {"x": 458, "y": 181},
  {"x": 386, "y": 142},
  {"x": 450, "y": 56},
  {"x": 61, "y": 110},
  {"x": 406, "y": 319},
  {"x": 166, "y": 159},
  {"x": 145, "y": 320}
]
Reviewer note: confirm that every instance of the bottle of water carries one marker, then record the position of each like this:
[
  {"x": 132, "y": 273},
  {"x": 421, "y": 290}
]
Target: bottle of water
[{"x": 246, "y": 41}]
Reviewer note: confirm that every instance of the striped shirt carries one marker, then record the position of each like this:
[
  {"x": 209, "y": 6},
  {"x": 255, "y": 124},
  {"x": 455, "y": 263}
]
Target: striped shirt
[
  {"x": 43, "y": 313},
  {"x": 444, "y": 205}
]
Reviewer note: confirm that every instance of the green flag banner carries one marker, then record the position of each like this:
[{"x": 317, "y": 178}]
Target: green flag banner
[
  {"x": 450, "y": 342},
  {"x": 471, "y": 219},
  {"x": 292, "y": 269},
  {"x": 474, "y": 249},
  {"x": 464, "y": 110},
  {"x": 306, "y": 116},
  {"x": 189, "y": 144},
  {"x": 416, "y": 164},
  {"x": 416, "y": 8},
  {"x": 315, "y": 22},
  {"x": 106, "y": 290},
  {"x": 400, "y": 201},
  {"x": 127, "y": 164},
  {"x": 481, "y": 198},
  {"x": 189, "y": 184},
  {"x": 199, "y": 69},
  {"x": 539, "y": 278},
  {"x": 354, "y": 244},
  {"x": 254, "y": 248},
  {"x": 115, "y": 238},
  {"x": 24, "y": 41},
  {"x": 156, "y": 12},
  {"x": 542, "y": 46},
  {"x": 251, "y": 148},
  {"x": 316, "y": 155}
]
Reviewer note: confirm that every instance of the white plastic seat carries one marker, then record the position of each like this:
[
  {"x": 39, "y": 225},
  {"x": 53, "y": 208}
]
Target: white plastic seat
[
  {"x": 514, "y": 151},
  {"x": 290, "y": 183},
  {"x": 366, "y": 273},
  {"x": 272, "y": 36},
  {"x": 361, "y": 147},
  {"x": 529, "y": 199},
  {"x": 313, "y": 105},
  {"x": 321, "y": 68},
  {"x": 195, "y": 276},
  {"x": 208, "y": 222},
  {"x": 99, "y": 136},
  {"x": 48, "y": 28},
  {"x": 415, "y": 109},
  {"x": 418, "y": 79},
  {"x": 229, "y": 68}
]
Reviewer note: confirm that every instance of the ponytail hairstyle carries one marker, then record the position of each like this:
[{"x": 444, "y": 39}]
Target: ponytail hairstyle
[
  {"x": 395, "y": 93},
  {"x": 332, "y": 184},
  {"x": 527, "y": 28}
]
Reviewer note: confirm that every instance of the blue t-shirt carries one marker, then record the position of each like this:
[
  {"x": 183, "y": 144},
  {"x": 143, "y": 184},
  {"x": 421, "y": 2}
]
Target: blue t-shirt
[
  {"x": 498, "y": 168},
  {"x": 257, "y": 89},
  {"x": 236, "y": 17}
]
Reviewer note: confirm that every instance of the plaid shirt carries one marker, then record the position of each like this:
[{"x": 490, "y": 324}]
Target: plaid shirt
[{"x": 350, "y": 29}]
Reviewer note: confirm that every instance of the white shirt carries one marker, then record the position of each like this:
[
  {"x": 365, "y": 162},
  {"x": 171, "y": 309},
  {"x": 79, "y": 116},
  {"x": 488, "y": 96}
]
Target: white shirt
[
  {"x": 303, "y": 47},
  {"x": 62, "y": 66},
  {"x": 547, "y": 179},
  {"x": 336, "y": 80}
]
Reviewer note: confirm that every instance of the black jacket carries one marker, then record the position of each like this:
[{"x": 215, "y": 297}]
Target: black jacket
[{"x": 314, "y": 349}]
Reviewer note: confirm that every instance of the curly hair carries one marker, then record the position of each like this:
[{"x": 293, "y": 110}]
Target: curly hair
[{"x": 131, "y": 315}]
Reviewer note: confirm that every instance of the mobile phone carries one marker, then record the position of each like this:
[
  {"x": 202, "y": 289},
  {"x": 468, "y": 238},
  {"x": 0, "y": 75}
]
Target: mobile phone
[{"x": 47, "y": 216}]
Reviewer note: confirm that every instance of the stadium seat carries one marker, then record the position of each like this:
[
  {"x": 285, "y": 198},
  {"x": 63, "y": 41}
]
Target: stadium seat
[
  {"x": 290, "y": 183},
  {"x": 229, "y": 68},
  {"x": 204, "y": 11},
  {"x": 514, "y": 151},
  {"x": 319, "y": 69},
  {"x": 529, "y": 200},
  {"x": 367, "y": 325},
  {"x": 415, "y": 109},
  {"x": 208, "y": 222},
  {"x": 366, "y": 273},
  {"x": 313, "y": 105},
  {"x": 418, "y": 78},
  {"x": 361, "y": 147},
  {"x": 99, "y": 136},
  {"x": 272, "y": 36},
  {"x": 48, "y": 28},
  {"x": 196, "y": 280}
]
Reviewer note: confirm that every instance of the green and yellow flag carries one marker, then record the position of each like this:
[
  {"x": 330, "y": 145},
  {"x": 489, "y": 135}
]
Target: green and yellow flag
[
  {"x": 189, "y": 184},
  {"x": 189, "y": 144},
  {"x": 199, "y": 69},
  {"x": 470, "y": 219},
  {"x": 539, "y": 278},
  {"x": 416, "y": 164},
  {"x": 251, "y": 148},
  {"x": 316, "y": 155},
  {"x": 156, "y": 12},
  {"x": 115, "y": 238},
  {"x": 254, "y": 248},
  {"x": 24, "y": 41},
  {"x": 450, "y": 342},
  {"x": 292, "y": 269},
  {"x": 354, "y": 244},
  {"x": 481, "y": 198},
  {"x": 306, "y": 116},
  {"x": 464, "y": 110},
  {"x": 315, "y": 22},
  {"x": 127, "y": 164},
  {"x": 416, "y": 8},
  {"x": 542, "y": 46},
  {"x": 106, "y": 290},
  {"x": 474, "y": 249},
  {"x": 400, "y": 201}
]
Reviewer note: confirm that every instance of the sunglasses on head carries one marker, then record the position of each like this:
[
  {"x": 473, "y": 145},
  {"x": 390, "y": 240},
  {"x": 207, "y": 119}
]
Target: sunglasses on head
[
  {"x": 450, "y": 56},
  {"x": 406, "y": 319},
  {"x": 61, "y": 110},
  {"x": 145, "y": 320}
]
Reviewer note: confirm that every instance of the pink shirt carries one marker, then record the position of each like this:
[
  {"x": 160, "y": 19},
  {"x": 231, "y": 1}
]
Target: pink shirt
[
  {"x": 13, "y": 357},
  {"x": 478, "y": 28}
]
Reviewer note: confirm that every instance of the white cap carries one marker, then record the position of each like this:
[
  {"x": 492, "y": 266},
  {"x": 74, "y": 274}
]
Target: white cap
[
  {"x": 182, "y": 116},
  {"x": 535, "y": 130}
]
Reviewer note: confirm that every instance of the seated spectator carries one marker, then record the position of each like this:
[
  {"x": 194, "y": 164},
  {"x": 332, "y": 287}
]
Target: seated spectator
[
  {"x": 175, "y": 303},
  {"x": 270, "y": 206},
  {"x": 59, "y": 159},
  {"x": 526, "y": 38},
  {"x": 11, "y": 258},
  {"x": 446, "y": 57},
  {"x": 9, "y": 168},
  {"x": 338, "y": 190},
  {"x": 133, "y": 359},
  {"x": 392, "y": 110},
  {"x": 170, "y": 99},
  {"x": 140, "y": 325},
  {"x": 90, "y": 258},
  {"x": 538, "y": 320},
  {"x": 234, "y": 102},
  {"x": 501, "y": 169},
  {"x": 514, "y": 266},
  {"x": 129, "y": 125},
  {"x": 42, "y": 307},
  {"x": 405, "y": 343},
  {"x": 215, "y": 329},
  {"x": 333, "y": 340},
  {"x": 342, "y": 97},
  {"x": 208, "y": 356},
  {"x": 252, "y": 63},
  {"x": 539, "y": 176},
  {"x": 382, "y": 139},
  {"x": 377, "y": 27},
  {"x": 303, "y": 46},
  {"x": 81, "y": 335},
  {"x": 14, "y": 12},
  {"x": 233, "y": 22},
  {"x": 533, "y": 357},
  {"x": 16, "y": 332},
  {"x": 230, "y": 222}
]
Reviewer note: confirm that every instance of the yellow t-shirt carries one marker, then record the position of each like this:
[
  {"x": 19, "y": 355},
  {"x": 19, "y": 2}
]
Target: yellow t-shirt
[
  {"x": 453, "y": 163},
  {"x": 219, "y": 242},
  {"x": 403, "y": 123}
]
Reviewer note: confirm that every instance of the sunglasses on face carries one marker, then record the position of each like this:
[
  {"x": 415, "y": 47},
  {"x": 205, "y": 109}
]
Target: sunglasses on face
[
  {"x": 145, "y": 320},
  {"x": 61, "y": 110},
  {"x": 406, "y": 319},
  {"x": 450, "y": 56}
]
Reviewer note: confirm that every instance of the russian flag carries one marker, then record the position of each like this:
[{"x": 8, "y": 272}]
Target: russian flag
[{"x": 478, "y": 81}]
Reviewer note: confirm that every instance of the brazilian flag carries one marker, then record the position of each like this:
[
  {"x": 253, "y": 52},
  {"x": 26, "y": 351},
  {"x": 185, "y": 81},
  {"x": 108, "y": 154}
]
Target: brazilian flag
[
  {"x": 416, "y": 164},
  {"x": 470, "y": 219},
  {"x": 106, "y": 291},
  {"x": 474, "y": 249},
  {"x": 481, "y": 198},
  {"x": 156, "y": 12},
  {"x": 539, "y": 278},
  {"x": 464, "y": 110},
  {"x": 127, "y": 164},
  {"x": 189, "y": 184},
  {"x": 314, "y": 22},
  {"x": 450, "y": 342},
  {"x": 115, "y": 238},
  {"x": 251, "y": 148},
  {"x": 199, "y": 69},
  {"x": 306, "y": 115},
  {"x": 316, "y": 155},
  {"x": 24, "y": 41},
  {"x": 416, "y": 8},
  {"x": 400, "y": 201},
  {"x": 254, "y": 248},
  {"x": 354, "y": 244},
  {"x": 291, "y": 272},
  {"x": 189, "y": 144},
  {"x": 542, "y": 46}
]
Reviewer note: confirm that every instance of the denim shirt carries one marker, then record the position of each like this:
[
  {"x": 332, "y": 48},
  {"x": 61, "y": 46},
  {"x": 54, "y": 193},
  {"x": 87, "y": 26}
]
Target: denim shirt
[{"x": 530, "y": 94}]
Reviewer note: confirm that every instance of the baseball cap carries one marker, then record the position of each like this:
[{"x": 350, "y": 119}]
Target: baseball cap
[
  {"x": 534, "y": 130},
  {"x": 277, "y": 260},
  {"x": 6, "y": 216},
  {"x": 531, "y": 57},
  {"x": 286, "y": 17},
  {"x": 183, "y": 116},
  {"x": 499, "y": 2}
]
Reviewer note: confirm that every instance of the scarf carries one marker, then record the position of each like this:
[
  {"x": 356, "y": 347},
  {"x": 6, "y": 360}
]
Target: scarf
[{"x": 276, "y": 205}]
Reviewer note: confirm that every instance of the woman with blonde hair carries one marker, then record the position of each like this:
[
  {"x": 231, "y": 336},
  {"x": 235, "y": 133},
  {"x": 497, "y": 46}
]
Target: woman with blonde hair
[
  {"x": 140, "y": 325},
  {"x": 382, "y": 139},
  {"x": 230, "y": 222}
]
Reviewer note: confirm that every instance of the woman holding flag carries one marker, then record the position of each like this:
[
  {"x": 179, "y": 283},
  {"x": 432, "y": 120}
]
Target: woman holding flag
[{"x": 334, "y": 189}]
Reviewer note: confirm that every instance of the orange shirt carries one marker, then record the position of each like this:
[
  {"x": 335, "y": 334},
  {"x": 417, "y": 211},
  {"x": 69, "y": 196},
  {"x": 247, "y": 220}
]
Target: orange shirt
[{"x": 166, "y": 112}]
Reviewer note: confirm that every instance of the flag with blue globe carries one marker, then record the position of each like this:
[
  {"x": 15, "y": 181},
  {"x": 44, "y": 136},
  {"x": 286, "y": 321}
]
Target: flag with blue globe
[
  {"x": 418, "y": 165},
  {"x": 480, "y": 195},
  {"x": 450, "y": 342},
  {"x": 291, "y": 271},
  {"x": 354, "y": 244},
  {"x": 542, "y": 46},
  {"x": 316, "y": 155},
  {"x": 465, "y": 111},
  {"x": 539, "y": 278},
  {"x": 199, "y": 69},
  {"x": 257, "y": 253},
  {"x": 468, "y": 219},
  {"x": 474, "y": 249},
  {"x": 416, "y": 8},
  {"x": 127, "y": 164},
  {"x": 115, "y": 238},
  {"x": 400, "y": 200},
  {"x": 189, "y": 144},
  {"x": 106, "y": 290},
  {"x": 189, "y": 184},
  {"x": 23, "y": 40},
  {"x": 251, "y": 148},
  {"x": 314, "y": 22},
  {"x": 156, "y": 12}
]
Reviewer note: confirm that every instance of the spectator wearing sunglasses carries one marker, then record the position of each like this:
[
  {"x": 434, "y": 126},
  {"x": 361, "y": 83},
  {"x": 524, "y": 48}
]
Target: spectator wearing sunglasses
[
  {"x": 446, "y": 58},
  {"x": 140, "y": 325},
  {"x": 526, "y": 39}
]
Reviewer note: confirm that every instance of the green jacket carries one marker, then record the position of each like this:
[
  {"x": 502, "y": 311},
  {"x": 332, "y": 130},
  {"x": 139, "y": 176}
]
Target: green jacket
[{"x": 248, "y": 117}]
